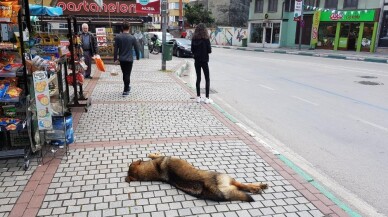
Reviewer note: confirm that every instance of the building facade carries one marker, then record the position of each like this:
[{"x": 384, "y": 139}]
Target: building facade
[
  {"x": 383, "y": 36},
  {"x": 176, "y": 14},
  {"x": 327, "y": 24},
  {"x": 265, "y": 23},
  {"x": 227, "y": 12}
]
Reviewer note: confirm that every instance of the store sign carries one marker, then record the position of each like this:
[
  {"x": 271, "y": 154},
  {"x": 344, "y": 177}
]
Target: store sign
[
  {"x": 298, "y": 10},
  {"x": 148, "y": 6},
  {"x": 101, "y": 37},
  {"x": 350, "y": 16},
  {"x": 109, "y": 7}
]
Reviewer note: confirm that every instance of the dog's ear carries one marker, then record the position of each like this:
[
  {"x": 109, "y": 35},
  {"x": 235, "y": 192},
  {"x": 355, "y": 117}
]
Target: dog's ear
[{"x": 135, "y": 163}]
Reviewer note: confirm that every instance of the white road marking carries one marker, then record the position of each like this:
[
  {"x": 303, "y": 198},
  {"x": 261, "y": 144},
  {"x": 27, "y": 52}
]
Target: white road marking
[
  {"x": 305, "y": 100},
  {"x": 369, "y": 123},
  {"x": 266, "y": 87},
  {"x": 242, "y": 79}
]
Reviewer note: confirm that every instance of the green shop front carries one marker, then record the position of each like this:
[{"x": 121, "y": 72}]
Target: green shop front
[{"x": 353, "y": 30}]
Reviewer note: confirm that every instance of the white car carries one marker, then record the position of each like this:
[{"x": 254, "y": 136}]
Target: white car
[{"x": 159, "y": 35}]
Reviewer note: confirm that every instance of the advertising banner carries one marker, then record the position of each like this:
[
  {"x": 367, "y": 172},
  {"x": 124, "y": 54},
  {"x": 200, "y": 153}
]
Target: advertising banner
[
  {"x": 298, "y": 10},
  {"x": 42, "y": 99},
  {"x": 314, "y": 31},
  {"x": 148, "y": 6},
  {"x": 101, "y": 37}
]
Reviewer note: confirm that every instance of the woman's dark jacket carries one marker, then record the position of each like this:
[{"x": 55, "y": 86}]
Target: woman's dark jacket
[{"x": 201, "y": 49}]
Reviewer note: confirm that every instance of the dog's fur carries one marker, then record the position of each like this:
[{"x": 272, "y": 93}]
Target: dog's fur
[{"x": 199, "y": 183}]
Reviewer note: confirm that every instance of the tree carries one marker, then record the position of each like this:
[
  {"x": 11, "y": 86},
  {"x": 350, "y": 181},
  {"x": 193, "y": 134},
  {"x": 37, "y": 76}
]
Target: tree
[{"x": 196, "y": 14}]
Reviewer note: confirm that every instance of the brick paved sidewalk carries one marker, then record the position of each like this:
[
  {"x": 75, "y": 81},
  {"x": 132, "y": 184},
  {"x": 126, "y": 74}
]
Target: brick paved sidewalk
[{"x": 160, "y": 114}]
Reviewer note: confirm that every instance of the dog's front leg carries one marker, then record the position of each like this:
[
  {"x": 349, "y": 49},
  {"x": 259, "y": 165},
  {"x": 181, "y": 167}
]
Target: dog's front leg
[{"x": 155, "y": 155}]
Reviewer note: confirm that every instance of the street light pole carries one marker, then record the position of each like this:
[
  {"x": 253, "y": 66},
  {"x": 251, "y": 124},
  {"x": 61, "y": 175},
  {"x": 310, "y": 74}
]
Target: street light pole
[
  {"x": 301, "y": 27},
  {"x": 164, "y": 30}
]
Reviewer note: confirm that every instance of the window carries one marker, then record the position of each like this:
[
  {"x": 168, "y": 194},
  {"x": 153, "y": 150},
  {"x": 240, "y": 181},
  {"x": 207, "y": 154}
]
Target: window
[
  {"x": 273, "y": 6},
  {"x": 256, "y": 33},
  {"x": 63, "y": 26},
  {"x": 259, "y": 6},
  {"x": 174, "y": 5},
  {"x": 350, "y": 4},
  {"x": 289, "y": 6},
  {"x": 311, "y": 3},
  {"x": 331, "y": 4}
]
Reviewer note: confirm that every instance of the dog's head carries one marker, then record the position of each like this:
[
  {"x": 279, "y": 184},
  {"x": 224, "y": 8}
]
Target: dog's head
[{"x": 133, "y": 171}]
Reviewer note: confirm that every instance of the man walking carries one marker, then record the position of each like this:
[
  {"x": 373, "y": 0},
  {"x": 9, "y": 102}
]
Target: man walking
[
  {"x": 89, "y": 47},
  {"x": 124, "y": 43}
]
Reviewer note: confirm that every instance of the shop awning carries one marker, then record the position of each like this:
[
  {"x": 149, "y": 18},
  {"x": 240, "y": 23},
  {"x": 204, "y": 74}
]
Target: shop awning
[{"x": 39, "y": 10}]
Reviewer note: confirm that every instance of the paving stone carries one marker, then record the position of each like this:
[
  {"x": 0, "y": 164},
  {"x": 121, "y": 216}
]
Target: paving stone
[
  {"x": 109, "y": 212},
  {"x": 184, "y": 212},
  {"x": 150, "y": 208},
  {"x": 122, "y": 211}
]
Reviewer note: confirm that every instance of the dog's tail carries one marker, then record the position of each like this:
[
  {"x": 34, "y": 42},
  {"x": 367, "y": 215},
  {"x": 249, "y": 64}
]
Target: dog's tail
[{"x": 240, "y": 195}]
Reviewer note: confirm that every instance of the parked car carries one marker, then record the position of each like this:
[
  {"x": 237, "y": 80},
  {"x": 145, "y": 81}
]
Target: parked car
[
  {"x": 182, "y": 47},
  {"x": 149, "y": 35}
]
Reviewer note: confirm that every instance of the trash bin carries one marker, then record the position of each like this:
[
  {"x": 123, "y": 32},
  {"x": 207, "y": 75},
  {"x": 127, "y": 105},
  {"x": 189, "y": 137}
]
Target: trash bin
[
  {"x": 244, "y": 42},
  {"x": 167, "y": 51}
]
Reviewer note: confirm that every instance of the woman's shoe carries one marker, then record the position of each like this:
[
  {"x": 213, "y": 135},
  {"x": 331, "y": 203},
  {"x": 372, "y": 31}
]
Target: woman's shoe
[{"x": 208, "y": 101}]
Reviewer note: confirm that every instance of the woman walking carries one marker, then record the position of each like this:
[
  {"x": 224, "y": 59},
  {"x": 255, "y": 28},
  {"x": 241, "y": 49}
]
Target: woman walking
[{"x": 200, "y": 47}]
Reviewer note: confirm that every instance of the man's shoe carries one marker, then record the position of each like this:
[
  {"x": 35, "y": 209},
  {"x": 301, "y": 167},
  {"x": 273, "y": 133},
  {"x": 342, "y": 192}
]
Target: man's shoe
[
  {"x": 199, "y": 99},
  {"x": 89, "y": 77},
  {"x": 126, "y": 93}
]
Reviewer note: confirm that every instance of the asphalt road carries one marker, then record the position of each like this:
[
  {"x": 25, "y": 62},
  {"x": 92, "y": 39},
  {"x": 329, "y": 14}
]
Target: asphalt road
[{"x": 314, "y": 111}]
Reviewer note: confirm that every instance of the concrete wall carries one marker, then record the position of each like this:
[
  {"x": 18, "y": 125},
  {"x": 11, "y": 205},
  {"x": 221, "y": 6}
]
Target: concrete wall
[{"x": 228, "y": 36}]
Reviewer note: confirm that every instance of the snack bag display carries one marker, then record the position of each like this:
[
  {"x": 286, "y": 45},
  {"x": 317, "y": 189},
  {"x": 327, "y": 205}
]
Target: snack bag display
[
  {"x": 3, "y": 89},
  {"x": 13, "y": 92}
]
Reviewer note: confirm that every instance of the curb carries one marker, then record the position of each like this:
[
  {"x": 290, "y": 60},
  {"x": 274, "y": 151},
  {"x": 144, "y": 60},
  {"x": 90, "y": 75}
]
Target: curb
[
  {"x": 304, "y": 53},
  {"x": 183, "y": 68}
]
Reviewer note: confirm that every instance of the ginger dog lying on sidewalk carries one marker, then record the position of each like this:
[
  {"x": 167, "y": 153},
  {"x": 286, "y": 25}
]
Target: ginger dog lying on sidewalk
[{"x": 199, "y": 183}]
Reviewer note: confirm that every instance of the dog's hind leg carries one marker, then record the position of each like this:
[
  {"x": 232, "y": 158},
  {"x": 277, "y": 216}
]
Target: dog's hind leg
[
  {"x": 253, "y": 188},
  {"x": 235, "y": 194},
  {"x": 155, "y": 155}
]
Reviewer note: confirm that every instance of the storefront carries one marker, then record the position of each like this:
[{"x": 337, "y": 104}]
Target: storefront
[
  {"x": 353, "y": 30},
  {"x": 264, "y": 33},
  {"x": 383, "y": 41}
]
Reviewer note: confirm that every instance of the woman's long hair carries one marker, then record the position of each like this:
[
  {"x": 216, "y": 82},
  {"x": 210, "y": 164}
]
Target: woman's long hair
[{"x": 200, "y": 32}]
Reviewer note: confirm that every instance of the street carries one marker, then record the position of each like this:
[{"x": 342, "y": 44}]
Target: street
[{"x": 328, "y": 116}]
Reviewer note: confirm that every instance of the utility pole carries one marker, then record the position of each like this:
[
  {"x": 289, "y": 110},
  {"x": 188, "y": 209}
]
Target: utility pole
[
  {"x": 301, "y": 24},
  {"x": 164, "y": 30},
  {"x": 180, "y": 21}
]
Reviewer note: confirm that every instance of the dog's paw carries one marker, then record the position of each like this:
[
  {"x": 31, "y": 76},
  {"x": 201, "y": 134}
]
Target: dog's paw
[
  {"x": 257, "y": 188},
  {"x": 154, "y": 155}
]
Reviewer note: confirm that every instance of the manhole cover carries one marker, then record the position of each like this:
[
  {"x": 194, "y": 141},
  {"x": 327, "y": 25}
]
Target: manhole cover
[
  {"x": 203, "y": 90},
  {"x": 370, "y": 83},
  {"x": 367, "y": 77}
]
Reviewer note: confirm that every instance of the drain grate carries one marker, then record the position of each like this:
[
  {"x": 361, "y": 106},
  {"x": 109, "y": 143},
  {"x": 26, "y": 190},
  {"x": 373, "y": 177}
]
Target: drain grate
[
  {"x": 212, "y": 91},
  {"x": 369, "y": 83},
  {"x": 370, "y": 77}
]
